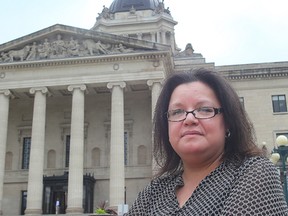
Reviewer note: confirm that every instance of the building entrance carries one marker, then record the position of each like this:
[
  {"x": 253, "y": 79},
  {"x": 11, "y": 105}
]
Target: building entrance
[
  {"x": 59, "y": 200},
  {"x": 56, "y": 193}
]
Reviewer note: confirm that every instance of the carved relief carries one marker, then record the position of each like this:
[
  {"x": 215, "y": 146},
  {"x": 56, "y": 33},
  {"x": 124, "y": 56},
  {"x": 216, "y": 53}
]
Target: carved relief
[
  {"x": 19, "y": 54},
  {"x": 61, "y": 48},
  {"x": 95, "y": 48}
]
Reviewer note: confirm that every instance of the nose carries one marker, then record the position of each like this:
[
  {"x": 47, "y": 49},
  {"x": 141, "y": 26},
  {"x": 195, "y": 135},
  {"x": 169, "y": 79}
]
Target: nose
[{"x": 190, "y": 117}]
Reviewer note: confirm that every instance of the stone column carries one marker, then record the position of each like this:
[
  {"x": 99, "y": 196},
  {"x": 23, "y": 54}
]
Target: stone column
[
  {"x": 158, "y": 37},
  {"x": 155, "y": 86},
  {"x": 75, "y": 178},
  {"x": 172, "y": 41},
  {"x": 153, "y": 36},
  {"x": 36, "y": 163},
  {"x": 4, "y": 112},
  {"x": 163, "y": 34},
  {"x": 117, "y": 167}
]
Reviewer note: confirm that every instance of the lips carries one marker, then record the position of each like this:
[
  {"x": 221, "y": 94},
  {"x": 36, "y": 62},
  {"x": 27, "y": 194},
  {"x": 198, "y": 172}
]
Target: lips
[{"x": 187, "y": 133}]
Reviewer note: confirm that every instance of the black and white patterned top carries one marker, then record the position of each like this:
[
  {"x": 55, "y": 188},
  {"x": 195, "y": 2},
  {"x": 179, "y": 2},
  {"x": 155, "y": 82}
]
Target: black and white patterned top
[{"x": 253, "y": 189}]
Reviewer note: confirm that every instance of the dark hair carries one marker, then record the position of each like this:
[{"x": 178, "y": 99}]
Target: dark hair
[{"x": 241, "y": 142}]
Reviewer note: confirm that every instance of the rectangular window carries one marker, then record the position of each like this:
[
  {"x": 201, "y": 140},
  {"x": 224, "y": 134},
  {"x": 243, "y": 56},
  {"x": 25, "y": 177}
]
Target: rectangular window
[
  {"x": 26, "y": 152},
  {"x": 126, "y": 148},
  {"x": 279, "y": 103},
  {"x": 67, "y": 151}
]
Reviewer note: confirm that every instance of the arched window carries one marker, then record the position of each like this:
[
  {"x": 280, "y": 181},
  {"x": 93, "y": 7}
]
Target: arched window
[
  {"x": 95, "y": 157},
  {"x": 8, "y": 161},
  {"x": 51, "y": 159}
]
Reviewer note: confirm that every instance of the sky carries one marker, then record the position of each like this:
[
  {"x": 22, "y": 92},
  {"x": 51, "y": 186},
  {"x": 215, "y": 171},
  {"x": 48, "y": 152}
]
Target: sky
[{"x": 225, "y": 32}]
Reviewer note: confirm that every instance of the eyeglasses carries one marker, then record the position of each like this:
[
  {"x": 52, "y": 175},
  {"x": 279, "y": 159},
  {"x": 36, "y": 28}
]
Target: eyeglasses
[{"x": 199, "y": 113}]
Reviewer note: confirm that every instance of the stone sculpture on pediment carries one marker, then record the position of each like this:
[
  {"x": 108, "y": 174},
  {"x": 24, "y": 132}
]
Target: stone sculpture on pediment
[
  {"x": 95, "y": 48},
  {"x": 161, "y": 9},
  {"x": 105, "y": 14},
  {"x": 44, "y": 49},
  {"x": 58, "y": 47},
  {"x": 33, "y": 52},
  {"x": 62, "y": 48},
  {"x": 73, "y": 47},
  {"x": 189, "y": 52},
  {"x": 19, "y": 54},
  {"x": 4, "y": 57},
  {"x": 120, "y": 48}
]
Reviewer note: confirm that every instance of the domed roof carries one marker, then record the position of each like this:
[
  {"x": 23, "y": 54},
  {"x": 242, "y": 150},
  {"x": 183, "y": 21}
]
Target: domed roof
[{"x": 126, "y": 5}]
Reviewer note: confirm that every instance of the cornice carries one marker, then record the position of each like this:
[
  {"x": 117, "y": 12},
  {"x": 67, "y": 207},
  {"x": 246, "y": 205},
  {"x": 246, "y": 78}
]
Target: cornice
[{"x": 261, "y": 73}]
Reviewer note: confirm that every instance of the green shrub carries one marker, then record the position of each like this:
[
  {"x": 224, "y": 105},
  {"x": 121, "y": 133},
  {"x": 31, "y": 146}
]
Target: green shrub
[{"x": 100, "y": 211}]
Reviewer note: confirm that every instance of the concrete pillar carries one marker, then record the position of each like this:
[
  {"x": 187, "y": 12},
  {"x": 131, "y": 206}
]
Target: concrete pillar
[
  {"x": 172, "y": 41},
  {"x": 163, "y": 34},
  {"x": 158, "y": 37},
  {"x": 153, "y": 36},
  {"x": 4, "y": 112},
  {"x": 75, "y": 178},
  {"x": 155, "y": 86},
  {"x": 117, "y": 167},
  {"x": 36, "y": 162}
]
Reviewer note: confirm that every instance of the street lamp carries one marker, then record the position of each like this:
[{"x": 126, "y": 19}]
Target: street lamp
[{"x": 281, "y": 152}]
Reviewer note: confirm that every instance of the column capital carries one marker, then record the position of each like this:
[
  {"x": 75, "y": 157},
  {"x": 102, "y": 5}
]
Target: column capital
[
  {"x": 44, "y": 90},
  {"x": 6, "y": 92},
  {"x": 112, "y": 84},
  {"x": 150, "y": 83},
  {"x": 81, "y": 87}
]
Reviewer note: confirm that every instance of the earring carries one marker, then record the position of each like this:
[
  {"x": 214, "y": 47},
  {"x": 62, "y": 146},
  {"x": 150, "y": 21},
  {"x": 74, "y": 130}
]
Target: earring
[{"x": 227, "y": 134}]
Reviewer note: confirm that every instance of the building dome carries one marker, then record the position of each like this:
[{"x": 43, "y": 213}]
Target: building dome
[{"x": 126, "y": 5}]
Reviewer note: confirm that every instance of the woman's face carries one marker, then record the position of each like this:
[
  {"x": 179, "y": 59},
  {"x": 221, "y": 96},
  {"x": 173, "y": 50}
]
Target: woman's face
[{"x": 196, "y": 140}]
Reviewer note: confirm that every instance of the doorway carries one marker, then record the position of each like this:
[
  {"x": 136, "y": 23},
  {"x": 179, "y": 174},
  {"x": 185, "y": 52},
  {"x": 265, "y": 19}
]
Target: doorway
[
  {"x": 59, "y": 200},
  {"x": 55, "y": 193}
]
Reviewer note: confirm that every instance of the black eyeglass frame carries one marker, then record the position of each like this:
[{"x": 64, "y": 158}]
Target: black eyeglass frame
[{"x": 216, "y": 111}]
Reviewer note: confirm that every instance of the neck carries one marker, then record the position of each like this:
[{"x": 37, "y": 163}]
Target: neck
[{"x": 200, "y": 171}]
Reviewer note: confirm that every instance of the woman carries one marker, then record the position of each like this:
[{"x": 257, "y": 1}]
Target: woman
[{"x": 208, "y": 161}]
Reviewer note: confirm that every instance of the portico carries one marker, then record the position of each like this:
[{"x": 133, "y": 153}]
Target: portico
[
  {"x": 63, "y": 92},
  {"x": 77, "y": 103}
]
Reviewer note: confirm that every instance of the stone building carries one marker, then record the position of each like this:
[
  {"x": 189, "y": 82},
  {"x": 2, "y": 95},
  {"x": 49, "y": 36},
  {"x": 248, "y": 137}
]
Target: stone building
[{"x": 76, "y": 107}]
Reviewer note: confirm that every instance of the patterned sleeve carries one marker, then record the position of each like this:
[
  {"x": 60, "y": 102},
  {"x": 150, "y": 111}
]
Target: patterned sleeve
[
  {"x": 257, "y": 191},
  {"x": 141, "y": 204}
]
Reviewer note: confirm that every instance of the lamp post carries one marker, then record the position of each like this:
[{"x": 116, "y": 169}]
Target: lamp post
[{"x": 281, "y": 152}]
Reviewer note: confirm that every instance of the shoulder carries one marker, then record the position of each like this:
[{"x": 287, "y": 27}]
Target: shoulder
[
  {"x": 258, "y": 162},
  {"x": 256, "y": 187},
  {"x": 258, "y": 168}
]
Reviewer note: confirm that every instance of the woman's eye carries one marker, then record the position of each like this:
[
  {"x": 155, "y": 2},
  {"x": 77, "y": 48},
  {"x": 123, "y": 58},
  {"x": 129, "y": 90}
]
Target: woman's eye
[
  {"x": 205, "y": 109},
  {"x": 177, "y": 112}
]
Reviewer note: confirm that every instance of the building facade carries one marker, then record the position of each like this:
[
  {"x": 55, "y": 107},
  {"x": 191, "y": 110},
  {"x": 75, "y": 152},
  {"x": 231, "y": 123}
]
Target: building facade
[{"x": 76, "y": 107}]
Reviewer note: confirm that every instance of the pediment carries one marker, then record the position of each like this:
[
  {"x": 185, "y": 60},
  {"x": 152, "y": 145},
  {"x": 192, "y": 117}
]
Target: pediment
[{"x": 60, "y": 41}]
